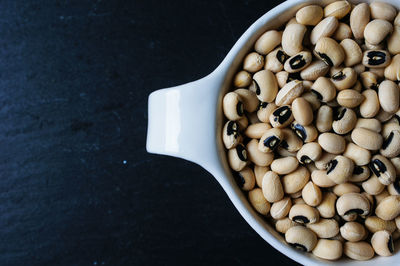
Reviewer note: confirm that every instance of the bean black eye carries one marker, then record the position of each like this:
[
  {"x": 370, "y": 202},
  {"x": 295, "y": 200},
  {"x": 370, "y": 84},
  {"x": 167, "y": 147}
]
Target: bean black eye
[
  {"x": 258, "y": 91},
  {"x": 390, "y": 244},
  {"x": 339, "y": 114},
  {"x": 263, "y": 105},
  {"x": 241, "y": 152},
  {"x": 282, "y": 114},
  {"x": 231, "y": 128},
  {"x": 374, "y": 86},
  {"x": 240, "y": 180},
  {"x": 305, "y": 159},
  {"x": 281, "y": 56},
  {"x": 325, "y": 58},
  {"x": 339, "y": 76},
  {"x": 300, "y": 131},
  {"x": 396, "y": 186},
  {"x": 272, "y": 142},
  {"x": 284, "y": 144},
  {"x": 297, "y": 62},
  {"x": 301, "y": 219},
  {"x": 388, "y": 140},
  {"x": 316, "y": 93},
  {"x": 376, "y": 58},
  {"x": 298, "y": 246},
  {"x": 378, "y": 167},
  {"x": 331, "y": 166},
  {"x": 354, "y": 211},
  {"x": 358, "y": 170},
  {"x": 239, "y": 108},
  {"x": 293, "y": 76}
]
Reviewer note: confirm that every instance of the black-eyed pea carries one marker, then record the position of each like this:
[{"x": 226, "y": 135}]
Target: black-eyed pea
[
  {"x": 291, "y": 142},
  {"x": 325, "y": 28},
  {"x": 383, "y": 169},
  {"x": 377, "y": 30},
  {"x": 349, "y": 98},
  {"x": 259, "y": 172},
  {"x": 358, "y": 250},
  {"x": 388, "y": 94},
  {"x": 359, "y": 18},
  {"x": 394, "y": 188},
  {"x": 303, "y": 214},
  {"x": 275, "y": 60},
  {"x": 298, "y": 62},
  {"x": 360, "y": 174},
  {"x": 312, "y": 194},
  {"x": 388, "y": 128},
  {"x": 309, "y": 152},
  {"x": 369, "y": 123},
  {"x": 268, "y": 41},
  {"x": 256, "y": 156},
  {"x": 237, "y": 157},
  {"x": 324, "y": 89},
  {"x": 369, "y": 80},
  {"x": 315, "y": 70},
  {"x": 284, "y": 165},
  {"x": 389, "y": 208},
  {"x": 396, "y": 163},
  {"x": 392, "y": 71},
  {"x": 301, "y": 238},
  {"x": 312, "y": 99},
  {"x": 366, "y": 138},
  {"x": 283, "y": 77},
  {"x": 328, "y": 249},
  {"x": 352, "y": 51},
  {"x": 292, "y": 38},
  {"x": 246, "y": 179},
  {"x": 265, "y": 110},
  {"x": 337, "y": 9},
  {"x": 325, "y": 228},
  {"x": 281, "y": 116},
  {"x": 332, "y": 143},
  {"x": 381, "y": 10},
  {"x": 253, "y": 62},
  {"x": 282, "y": 225},
  {"x": 376, "y": 58},
  {"x": 370, "y": 105},
  {"x": 280, "y": 209},
  {"x": 321, "y": 179},
  {"x": 373, "y": 186},
  {"x": 350, "y": 205},
  {"x": 230, "y": 135},
  {"x": 233, "y": 106},
  {"x": 306, "y": 133},
  {"x": 309, "y": 15},
  {"x": 329, "y": 51},
  {"x": 249, "y": 99},
  {"x": 344, "y": 120},
  {"x": 326, "y": 208},
  {"x": 270, "y": 140},
  {"x": 324, "y": 119},
  {"x": 394, "y": 41},
  {"x": 323, "y": 161},
  {"x": 353, "y": 231},
  {"x": 265, "y": 85},
  {"x": 375, "y": 224},
  {"x": 342, "y": 32},
  {"x": 242, "y": 123},
  {"x": 272, "y": 187},
  {"x": 344, "y": 188},
  {"x": 242, "y": 79},
  {"x": 255, "y": 131},
  {"x": 259, "y": 203},
  {"x": 340, "y": 169},
  {"x": 289, "y": 92},
  {"x": 391, "y": 145},
  {"x": 359, "y": 155},
  {"x": 382, "y": 242},
  {"x": 296, "y": 180},
  {"x": 302, "y": 111}
]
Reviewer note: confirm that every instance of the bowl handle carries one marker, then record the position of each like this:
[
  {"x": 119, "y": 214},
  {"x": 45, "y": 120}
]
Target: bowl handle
[{"x": 182, "y": 121}]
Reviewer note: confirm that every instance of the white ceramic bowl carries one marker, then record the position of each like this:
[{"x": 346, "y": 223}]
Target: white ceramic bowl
[{"x": 186, "y": 122}]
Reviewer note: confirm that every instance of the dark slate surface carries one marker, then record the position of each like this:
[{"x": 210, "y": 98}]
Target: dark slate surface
[{"x": 77, "y": 186}]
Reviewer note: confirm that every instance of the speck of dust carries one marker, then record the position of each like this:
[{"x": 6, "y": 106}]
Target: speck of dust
[{"x": 124, "y": 162}]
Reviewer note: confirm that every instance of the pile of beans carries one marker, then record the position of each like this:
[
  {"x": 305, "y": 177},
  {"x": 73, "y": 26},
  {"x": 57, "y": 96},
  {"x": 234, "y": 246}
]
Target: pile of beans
[{"x": 313, "y": 129}]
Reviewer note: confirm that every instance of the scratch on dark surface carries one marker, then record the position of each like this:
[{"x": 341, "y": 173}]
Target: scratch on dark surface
[
  {"x": 78, "y": 125},
  {"x": 222, "y": 6}
]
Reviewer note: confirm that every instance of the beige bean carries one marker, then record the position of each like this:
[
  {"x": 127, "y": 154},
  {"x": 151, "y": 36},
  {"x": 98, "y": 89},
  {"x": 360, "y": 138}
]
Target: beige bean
[
  {"x": 332, "y": 143},
  {"x": 233, "y": 106},
  {"x": 358, "y": 250},
  {"x": 242, "y": 79},
  {"x": 344, "y": 120},
  {"x": 383, "y": 169},
  {"x": 268, "y": 41},
  {"x": 272, "y": 187},
  {"x": 315, "y": 70},
  {"x": 389, "y": 96},
  {"x": 369, "y": 80},
  {"x": 325, "y": 28},
  {"x": 394, "y": 188},
  {"x": 377, "y": 30},
  {"x": 359, "y": 19},
  {"x": 231, "y": 136},
  {"x": 292, "y": 38},
  {"x": 306, "y": 133},
  {"x": 337, "y": 9},
  {"x": 285, "y": 165},
  {"x": 256, "y": 156},
  {"x": 352, "y": 51},
  {"x": 303, "y": 214},
  {"x": 323, "y": 161},
  {"x": 255, "y": 131},
  {"x": 360, "y": 174},
  {"x": 265, "y": 85},
  {"x": 392, "y": 71},
  {"x": 382, "y": 242},
  {"x": 259, "y": 203},
  {"x": 342, "y": 32},
  {"x": 353, "y": 231},
  {"x": 375, "y": 224},
  {"x": 259, "y": 172},
  {"x": 265, "y": 110},
  {"x": 328, "y": 249},
  {"x": 280, "y": 209},
  {"x": 366, "y": 138},
  {"x": 324, "y": 119},
  {"x": 344, "y": 79},
  {"x": 291, "y": 142},
  {"x": 349, "y": 98},
  {"x": 302, "y": 111},
  {"x": 246, "y": 179},
  {"x": 281, "y": 117},
  {"x": 396, "y": 163},
  {"x": 321, "y": 179},
  {"x": 310, "y": 152},
  {"x": 309, "y": 15},
  {"x": 301, "y": 238},
  {"x": 325, "y": 228},
  {"x": 312, "y": 99},
  {"x": 391, "y": 145},
  {"x": 369, "y": 123},
  {"x": 312, "y": 194},
  {"x": 359, "y": 155},
  {"x": 388, "y": 208},
  {"x": 237, "y": 157},
  {"x": 275, "y": 60},
  {"x": 381, "y": 10},
  {"x": 340, "y": 169},
  {"x": 249, "y": 99},
  {"x": 253, "y": 62},
  {"x": 326, "y": 208},
  {"x": 378, "y": 198},
  {"x": 370, "y": 105},
  {"x": 289, "y": 92},
  {"x": 373, "y": 186},
  {"x": 344, "y": 188},
  {"x": 329, "y": 51},
  {"x": 389, "y": 127},
  {"x": 282, "y": 225},
  {"x": 296, "y": 180},
  {"x": 394, "y": 40},
  {"x": 324, "y": 89},
  {"x": 350, "y": 205}
]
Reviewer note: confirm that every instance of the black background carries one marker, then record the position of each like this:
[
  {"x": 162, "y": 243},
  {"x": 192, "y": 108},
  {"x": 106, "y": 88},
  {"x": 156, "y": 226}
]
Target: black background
[{"x": 77, "y": 186}]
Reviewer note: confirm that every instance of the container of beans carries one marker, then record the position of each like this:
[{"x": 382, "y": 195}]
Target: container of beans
[{"x": 300, "y": 124}]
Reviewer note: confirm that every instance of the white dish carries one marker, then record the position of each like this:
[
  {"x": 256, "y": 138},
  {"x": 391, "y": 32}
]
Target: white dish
[{"x": 186, "y": 122}]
